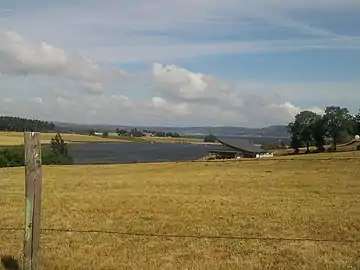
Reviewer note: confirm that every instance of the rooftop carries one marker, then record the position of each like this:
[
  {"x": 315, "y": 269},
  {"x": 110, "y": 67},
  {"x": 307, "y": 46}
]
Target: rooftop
[{"x": 239, "y": 144}]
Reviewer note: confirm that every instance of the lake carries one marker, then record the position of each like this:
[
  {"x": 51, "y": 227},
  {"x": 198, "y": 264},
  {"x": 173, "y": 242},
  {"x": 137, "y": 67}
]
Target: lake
[{"x": 122, "y": 153}]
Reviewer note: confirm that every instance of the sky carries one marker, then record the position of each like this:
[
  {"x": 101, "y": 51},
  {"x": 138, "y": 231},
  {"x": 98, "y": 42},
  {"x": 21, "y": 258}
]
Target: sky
[{"x": 178, "y": 62}]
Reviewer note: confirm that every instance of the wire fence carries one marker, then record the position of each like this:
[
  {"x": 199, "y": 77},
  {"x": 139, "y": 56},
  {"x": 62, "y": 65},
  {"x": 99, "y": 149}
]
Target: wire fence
[
  {"x": 185, "y": 235},
  {"x": 220, "y": 237}
]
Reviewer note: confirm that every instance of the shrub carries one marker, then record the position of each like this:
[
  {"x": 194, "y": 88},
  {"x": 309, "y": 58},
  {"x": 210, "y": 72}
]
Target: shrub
[
  {"x": 59, "y": 154},
  {"x": 56, "y": 159},
  {"x": 12, "y": 157},
  {"x": 15, "y": 156}
]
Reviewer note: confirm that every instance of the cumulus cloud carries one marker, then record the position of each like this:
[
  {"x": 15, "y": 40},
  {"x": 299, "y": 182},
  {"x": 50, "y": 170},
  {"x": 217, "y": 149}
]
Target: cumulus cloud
[
  {"x": 19, "y": 56},
  {"x": 142, "y": 30},
  {"x": 38, "y": 100},
  {"x": 205, "y": 96},
  {"x": 178, "y": 96}
]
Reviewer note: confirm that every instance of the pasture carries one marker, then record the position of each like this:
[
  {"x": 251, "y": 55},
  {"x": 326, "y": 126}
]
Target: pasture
[
  {"x": 352, "y": 145},
  {"x": 159, "y": 139},
  {"x": 17, "y": 138},
  {"x": 284, "y": 213}
]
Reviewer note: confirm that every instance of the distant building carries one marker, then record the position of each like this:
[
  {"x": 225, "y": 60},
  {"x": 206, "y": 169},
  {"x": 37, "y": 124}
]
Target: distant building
[{"x": 236, "y": 148}]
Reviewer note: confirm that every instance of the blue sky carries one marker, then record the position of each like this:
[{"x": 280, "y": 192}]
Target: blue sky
[{"x": 229, "y": 62}]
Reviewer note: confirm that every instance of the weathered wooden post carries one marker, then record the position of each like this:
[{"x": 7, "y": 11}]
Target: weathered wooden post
[{"x": 33, "y": 187}]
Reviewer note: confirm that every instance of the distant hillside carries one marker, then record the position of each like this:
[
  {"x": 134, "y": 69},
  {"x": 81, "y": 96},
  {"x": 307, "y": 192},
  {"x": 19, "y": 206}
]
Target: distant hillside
[
  {"x": 272, "y": 131},
  {"x": 19, "y": 124}
]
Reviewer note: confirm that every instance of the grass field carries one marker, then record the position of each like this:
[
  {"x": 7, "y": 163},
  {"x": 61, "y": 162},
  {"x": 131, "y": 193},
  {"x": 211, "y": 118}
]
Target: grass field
[
  {"x": 159, "y": 139},
  {"x": 316, "y": 197},
  {"x": 17, "y": 138},
  {"x": 348, "y": 147}
]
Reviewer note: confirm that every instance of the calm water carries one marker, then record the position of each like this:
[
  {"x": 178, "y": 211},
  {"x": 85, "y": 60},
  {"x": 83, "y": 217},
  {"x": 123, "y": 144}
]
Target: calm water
[{"x": 120, "y": 153}]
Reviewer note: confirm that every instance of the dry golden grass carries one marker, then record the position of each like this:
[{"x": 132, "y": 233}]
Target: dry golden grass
[
  {"x": 286, "y": 198},
  {"x": 340, "y": 148},
  {"x": 17, "y": 138}
]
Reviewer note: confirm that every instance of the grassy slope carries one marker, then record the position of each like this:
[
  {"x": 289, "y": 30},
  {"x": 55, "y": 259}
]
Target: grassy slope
[
  {"x": 346, "y": 147},
  {"x": 16, "y": 138},
  {"x": 284, "y": 197},
  {"x": 160, "y": 139}
]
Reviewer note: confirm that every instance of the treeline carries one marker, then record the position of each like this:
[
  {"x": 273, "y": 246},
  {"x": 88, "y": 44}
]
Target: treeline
[
  {"x": 310, "y": 129},
  {"x": 134, "y": 132},
  {"x": 56, "y": 155},
  {"x": 210, "y": 138},
  {"x": 10, "y": 123}
]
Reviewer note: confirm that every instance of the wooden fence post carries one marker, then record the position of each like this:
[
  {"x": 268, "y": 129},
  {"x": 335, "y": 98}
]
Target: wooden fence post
[{"x": 33, "y": 187}]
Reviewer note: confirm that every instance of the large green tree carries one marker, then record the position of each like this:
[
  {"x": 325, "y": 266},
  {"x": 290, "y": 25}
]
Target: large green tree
[
  {"x": 356, "y": 124},
  {"x": 302, "y": 129},
  {"x": 337, "y": 120},
  {"x": 294, "y": 130},
  {"x": 318, "y": 131},
  {"x": 306, "y": 120}
]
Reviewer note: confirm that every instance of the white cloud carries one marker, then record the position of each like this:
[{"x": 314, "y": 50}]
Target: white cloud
[
  {"x": 205, "y": 96},
  {"x": 20, "y": 57},
  {"x": 63, "y": 94},
  {"x": 38, "y": 100},
  {"x": 93, "y": 87},
  {"x": 177, "y": 96},
  {"x": 140, "y": 30},
  {"x": 158, "y": 102},
  {"x": 7, "y": 100}
]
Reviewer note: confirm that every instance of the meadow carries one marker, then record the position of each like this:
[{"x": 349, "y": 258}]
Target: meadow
[
  {"x": 158, "y": 139},
  {"x": 17, "y": 138},
  {"x": 282, "y": 213}
]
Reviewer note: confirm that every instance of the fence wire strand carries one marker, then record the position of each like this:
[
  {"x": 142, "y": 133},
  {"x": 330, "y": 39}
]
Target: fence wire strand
[{"x": 219, "y": 237}]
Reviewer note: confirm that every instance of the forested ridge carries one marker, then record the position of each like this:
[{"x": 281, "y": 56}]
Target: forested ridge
[{"x": 11, "y": 123}]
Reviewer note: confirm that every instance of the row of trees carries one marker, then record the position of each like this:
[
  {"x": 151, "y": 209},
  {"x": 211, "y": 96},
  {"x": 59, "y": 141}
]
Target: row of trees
[
  {"x": 210, "y": 138},
  {"x": 138, "y": 133},
  {"x": 9, "y": 123},
  {"x": 336, "y": 124},
  {"x": 161, "y": 133},
  {"x": 56, "y": 155}
]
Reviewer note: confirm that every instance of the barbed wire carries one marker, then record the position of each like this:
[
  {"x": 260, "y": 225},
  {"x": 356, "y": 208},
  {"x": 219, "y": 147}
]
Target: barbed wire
[{"x": 216, "y": 237}]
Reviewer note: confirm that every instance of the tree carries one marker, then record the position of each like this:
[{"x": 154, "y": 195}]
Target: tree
[
  {"x": 337, "y": 120},
  {"x": 58, "y": 145},
  {"x": 356, "y": 124},
  {"x": 135, "y": 133},
  {"x": 210, "y": 138},
  {"x": 302, "y": 129},
  {"x": 294, "y": 131},
  {"x": 122, "y": 132},
  {"x": 318, "y": 132},
  {"x": 305, "y": 121},
  {"x": 9, "y": 123},
  {"x": 105, "y": 134},
  {"x": 59, "y": 154}
]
